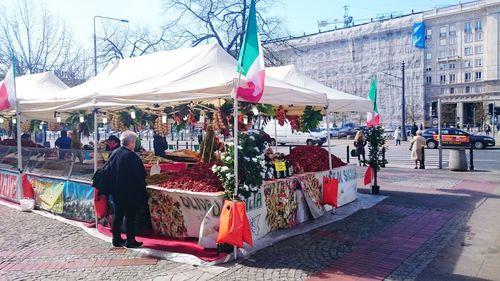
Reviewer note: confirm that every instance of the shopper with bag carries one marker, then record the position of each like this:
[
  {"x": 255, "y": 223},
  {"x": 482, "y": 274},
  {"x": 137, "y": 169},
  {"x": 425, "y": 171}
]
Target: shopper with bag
[
  {"x": 129, "y": 191},
  {"x": 416, "y": 146},
  {"x": 360, "y": 143}
]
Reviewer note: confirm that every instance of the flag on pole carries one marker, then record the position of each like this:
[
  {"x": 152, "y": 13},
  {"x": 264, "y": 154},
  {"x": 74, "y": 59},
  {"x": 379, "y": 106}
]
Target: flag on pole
[
  {"x": 251, "y": 61},
  {"x": 8, "y": 90},
  {"x": 373, "y": 118}
]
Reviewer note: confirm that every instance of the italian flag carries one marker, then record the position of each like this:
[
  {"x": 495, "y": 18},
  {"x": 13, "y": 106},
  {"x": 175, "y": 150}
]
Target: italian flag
[
  {"x": 251, "y": 61},
  {"x": 373, "y": 118},
  {"x": 8, "y": 90}
]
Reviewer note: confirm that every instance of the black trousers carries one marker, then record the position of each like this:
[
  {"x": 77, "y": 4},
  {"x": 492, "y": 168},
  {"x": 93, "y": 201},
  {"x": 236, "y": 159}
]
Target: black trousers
[{"x": 129, "y": 212}]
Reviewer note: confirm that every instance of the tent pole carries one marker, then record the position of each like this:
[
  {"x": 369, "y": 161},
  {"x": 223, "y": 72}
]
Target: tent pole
[
  {"x": 96, "y": 131},
  {"x": 275, "y": 135},
  {"x": 328, "y": 138}
]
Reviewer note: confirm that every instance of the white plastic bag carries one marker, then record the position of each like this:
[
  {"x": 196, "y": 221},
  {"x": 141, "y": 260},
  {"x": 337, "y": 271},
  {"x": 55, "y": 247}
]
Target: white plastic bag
[{"x": 27, "y": 205}]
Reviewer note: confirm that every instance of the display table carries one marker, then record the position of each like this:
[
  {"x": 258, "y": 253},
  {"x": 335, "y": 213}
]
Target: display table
[{"x": 278, "y": 204}]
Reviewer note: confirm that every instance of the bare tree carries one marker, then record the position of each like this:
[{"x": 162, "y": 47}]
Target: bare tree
[
  {"x": 117, "y": 42},
  {"x": 39, "y": 42},
  {"x": 222, "y": 21}
]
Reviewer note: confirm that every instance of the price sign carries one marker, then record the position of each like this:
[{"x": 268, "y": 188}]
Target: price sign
[{"x": 280, "y": 166}]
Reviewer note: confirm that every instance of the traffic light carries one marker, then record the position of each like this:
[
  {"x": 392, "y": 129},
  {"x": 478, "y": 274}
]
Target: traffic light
[
  {"x": 497, "y": 110},
  {"x": 490, "y": 109},
  {"x": 434, "y": 109}
]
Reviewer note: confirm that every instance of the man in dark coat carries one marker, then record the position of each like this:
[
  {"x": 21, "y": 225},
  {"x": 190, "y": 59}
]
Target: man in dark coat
[{"x": 129, "y": 191}]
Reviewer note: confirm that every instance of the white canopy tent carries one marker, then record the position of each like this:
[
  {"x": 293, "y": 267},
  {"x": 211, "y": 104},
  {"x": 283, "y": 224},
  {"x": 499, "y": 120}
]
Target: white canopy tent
[
  {"x": 201, "y": 73},
  {"x": 36, "y": 89},
  {"x": 337, "y": 101}
]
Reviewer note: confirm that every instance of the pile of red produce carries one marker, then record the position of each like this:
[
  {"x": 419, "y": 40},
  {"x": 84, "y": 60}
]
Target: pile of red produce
[
  {"x": 198, "y": 178},
  {"x": 24, "y": 143},
  {"x": 311, "y": 159}
]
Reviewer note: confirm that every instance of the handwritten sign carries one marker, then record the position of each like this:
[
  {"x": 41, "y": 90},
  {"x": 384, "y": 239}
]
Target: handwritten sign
[{"x": 280, "y": 166}]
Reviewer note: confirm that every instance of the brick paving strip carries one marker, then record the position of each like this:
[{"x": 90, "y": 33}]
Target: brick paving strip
[
  {"x": 378, "y": 256},
  {"x": 7, "y": 266}
]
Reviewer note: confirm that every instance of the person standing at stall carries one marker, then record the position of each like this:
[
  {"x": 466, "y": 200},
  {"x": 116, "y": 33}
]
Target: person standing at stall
[
  {"x": 112, "y": 143},
  {"x": 160, "y": 145},
  {"x": 129, "y": 191},
  {"x": 63, "y": 143},
  {"x": 414, "y": 129},
  {"x": 360, "y": 143}
]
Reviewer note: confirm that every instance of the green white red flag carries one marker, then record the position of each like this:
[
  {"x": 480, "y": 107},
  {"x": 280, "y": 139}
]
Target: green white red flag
[
  {"x": 8, "y": 90},
  {"x": 251, "y": 61},
  {"x": 373, "y": 118}
]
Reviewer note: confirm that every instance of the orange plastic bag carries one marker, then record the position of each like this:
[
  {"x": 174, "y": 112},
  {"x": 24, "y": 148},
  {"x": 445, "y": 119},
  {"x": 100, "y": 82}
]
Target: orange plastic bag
[
  {"x": 230, "y": 228},
  {"x": 330, "y": 192},
  {"x": 368, "y": 175},
  {"x": 247, "y": 232},
  {"x": 27, "y": 187},
  {"x": 100, "y": 204}
]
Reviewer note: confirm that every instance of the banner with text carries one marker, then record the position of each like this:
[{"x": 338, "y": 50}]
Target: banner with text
[{"x": 8, "y": 185}]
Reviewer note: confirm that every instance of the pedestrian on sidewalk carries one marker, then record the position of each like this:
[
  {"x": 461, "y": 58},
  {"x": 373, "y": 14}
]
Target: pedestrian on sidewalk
[
  {"x": 414, "y": 129},
  {"x": 487, "y": 129},
  {"x": 129, "y": 193},
  {"x": 397, "y": 136},
  {"x": 360, "y": 143},
  {"x": 416, "y": 146}
]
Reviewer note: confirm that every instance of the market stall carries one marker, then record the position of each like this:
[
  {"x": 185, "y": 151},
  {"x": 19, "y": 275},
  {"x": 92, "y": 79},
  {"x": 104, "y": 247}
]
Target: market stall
[{"x": 203, "y": 73}]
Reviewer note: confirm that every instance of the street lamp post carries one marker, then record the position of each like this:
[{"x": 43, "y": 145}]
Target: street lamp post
[{"x": 95, "y": 40}]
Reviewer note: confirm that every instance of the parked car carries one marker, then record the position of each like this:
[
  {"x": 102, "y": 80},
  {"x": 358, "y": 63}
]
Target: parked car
[
  {"x": 456, "y": 137},
  {"x": 284, "y": 135},
  {"x": 346, "y": 132}
]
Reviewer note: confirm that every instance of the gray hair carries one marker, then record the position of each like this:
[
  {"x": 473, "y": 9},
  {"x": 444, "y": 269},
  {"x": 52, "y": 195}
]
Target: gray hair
[{"x": 128, "y": 137}]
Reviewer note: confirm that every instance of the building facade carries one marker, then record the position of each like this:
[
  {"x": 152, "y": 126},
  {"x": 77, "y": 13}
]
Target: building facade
[
  {"x": 462, "y": 60},
  {"x": 460, "y": 63}
]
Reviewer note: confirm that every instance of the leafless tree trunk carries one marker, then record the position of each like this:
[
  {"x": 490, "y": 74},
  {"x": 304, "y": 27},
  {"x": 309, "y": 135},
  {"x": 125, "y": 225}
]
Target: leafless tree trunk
[{"x": 39, "y": 42}]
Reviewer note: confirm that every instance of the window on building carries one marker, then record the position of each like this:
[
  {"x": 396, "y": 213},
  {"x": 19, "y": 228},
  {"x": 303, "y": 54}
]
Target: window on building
[
  {"x": 467, "y": 63},
  {"x": 468, "y": 51},
  {"x": 478, "y": 49},
  {"x": 452, "y": 40},
  {"x": 452, "y": 65},
  {"x": 442, "y": 79},
  {"x": 442, "y": 53},
  {"x": 428, "y": 44},
  {"x": 468, "y": 76},
  {"x": 467, "y": 89},
  {"x": 428, "y": 33},
  {"x": 428, "y": 80},
  {"x": 477, "y": 89},
  {"x": 478, "y": 75},
  {"x": 428, "y": 68},
  {"x": 478, "y": 26},
  {"x": 441, "y": 91},
  {"x": 442, "y": 42},
  {"x": 428, "y": 56},
  {"x": 478, "y": 62},
  {"x": 442, "y": 31},
  {"x": 452, "y": 78},
  {"x": 442, "y": 66},
  {"x": 479, "y": 36},
  {"x": 452, "y": 90},
  {"x": 452, "y": 52},
  {"x": 468, "y": 38},
  {"x": 452, "y": 30},
  {"x": 467, "y": 27}
]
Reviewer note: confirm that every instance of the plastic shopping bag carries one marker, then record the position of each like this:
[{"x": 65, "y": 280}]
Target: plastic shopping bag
[
  {"x": 230, "y": 228},
  {"x": 330, "y": 192}
]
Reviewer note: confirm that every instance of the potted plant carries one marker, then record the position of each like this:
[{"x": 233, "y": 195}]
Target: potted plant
[{"x": 376, "y": 140}]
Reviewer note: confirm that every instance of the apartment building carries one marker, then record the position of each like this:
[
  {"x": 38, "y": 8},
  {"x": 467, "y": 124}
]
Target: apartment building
[{"x": 460, "y": 62}]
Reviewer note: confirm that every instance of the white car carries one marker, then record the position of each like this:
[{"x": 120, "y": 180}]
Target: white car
[{"x": 283, "y": 135}]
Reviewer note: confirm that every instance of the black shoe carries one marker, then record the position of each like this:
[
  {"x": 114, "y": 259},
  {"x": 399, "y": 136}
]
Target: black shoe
[
  {"x": 119, "y": 242},
  {"x": 133, "y": 244},
  {"x": 416, "y": 167}
]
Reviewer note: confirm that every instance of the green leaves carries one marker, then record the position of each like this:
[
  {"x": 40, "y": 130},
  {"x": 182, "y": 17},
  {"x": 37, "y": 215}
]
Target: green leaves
[{"x": 310, "y": 119}]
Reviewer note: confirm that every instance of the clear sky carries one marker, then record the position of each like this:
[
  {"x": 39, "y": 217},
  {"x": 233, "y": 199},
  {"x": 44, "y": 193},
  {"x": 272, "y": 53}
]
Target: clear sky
[{"x": 300, "y": 15}]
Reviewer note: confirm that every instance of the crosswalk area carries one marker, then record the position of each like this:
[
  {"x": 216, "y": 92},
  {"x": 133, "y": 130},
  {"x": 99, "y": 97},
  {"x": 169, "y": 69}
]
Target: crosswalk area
[{"x": 401, "y": 158}]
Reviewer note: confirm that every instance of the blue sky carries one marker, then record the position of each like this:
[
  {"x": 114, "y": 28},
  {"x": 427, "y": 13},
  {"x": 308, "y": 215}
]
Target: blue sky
[{"x": 300, "y": 15}]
